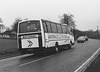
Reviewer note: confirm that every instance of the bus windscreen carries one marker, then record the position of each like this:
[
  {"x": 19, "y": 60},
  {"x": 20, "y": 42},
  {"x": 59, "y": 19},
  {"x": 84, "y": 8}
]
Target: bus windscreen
[{"x": 29, "y": 26}]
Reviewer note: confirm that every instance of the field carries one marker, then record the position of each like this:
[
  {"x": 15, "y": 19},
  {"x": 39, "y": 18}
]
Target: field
[{"x": 8, "y": 48}]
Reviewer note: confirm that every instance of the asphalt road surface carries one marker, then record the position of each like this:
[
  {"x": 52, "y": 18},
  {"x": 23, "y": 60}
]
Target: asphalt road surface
[{"x": 65, "y": 61}]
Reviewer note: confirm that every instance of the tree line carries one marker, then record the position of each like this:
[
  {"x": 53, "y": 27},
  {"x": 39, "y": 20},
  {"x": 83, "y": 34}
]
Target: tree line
[{"x": 64, "y": 19}]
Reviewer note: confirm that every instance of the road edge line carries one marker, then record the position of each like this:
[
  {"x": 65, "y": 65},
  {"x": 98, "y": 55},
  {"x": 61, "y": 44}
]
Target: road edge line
[{"x": 86, "y": 64}]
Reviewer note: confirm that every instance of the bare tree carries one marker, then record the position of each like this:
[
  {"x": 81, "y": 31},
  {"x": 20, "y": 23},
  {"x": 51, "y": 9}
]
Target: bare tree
[{"x": 15, "y": 24}]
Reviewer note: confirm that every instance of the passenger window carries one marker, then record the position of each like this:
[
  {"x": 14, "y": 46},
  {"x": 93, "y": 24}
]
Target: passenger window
[
  {"x": 48, "y": 27},
  {"x": 64, "y": 29},
  {"x": 44, "y": 26},
  {"x": 59, "y": 28},
  {"x": 68, "y": 30},
  {"x": 54, "y": 28}
]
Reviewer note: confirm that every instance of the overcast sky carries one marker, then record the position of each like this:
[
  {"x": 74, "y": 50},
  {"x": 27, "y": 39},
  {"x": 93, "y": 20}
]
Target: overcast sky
[{"x": 86, "y": 12}]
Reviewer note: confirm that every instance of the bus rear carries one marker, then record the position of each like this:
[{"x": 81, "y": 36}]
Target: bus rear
[{"x": 29, "y": 36}]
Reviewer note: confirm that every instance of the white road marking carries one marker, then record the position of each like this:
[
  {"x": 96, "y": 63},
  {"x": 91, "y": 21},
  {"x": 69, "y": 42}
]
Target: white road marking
[
  {"x": 35, "y": 60},
  {"x": 83, "y": 67},
  {"x": 16, "y": 57}
]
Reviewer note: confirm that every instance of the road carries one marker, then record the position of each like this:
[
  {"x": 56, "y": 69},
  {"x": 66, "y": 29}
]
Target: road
[{"x": 66, "y": 61}]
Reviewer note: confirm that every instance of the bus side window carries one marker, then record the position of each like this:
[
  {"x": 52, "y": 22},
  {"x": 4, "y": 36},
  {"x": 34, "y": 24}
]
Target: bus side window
[
  {"x": 59, "y": 28},
  {"x": 67, "y": 30},
  {"x": 48, "y": 27},
  {"x": 45, "y": 26},
  {"x": 71, "y": 32},
  {"x": 54, "y": 29},
  {"x": 64, "y": 29}
]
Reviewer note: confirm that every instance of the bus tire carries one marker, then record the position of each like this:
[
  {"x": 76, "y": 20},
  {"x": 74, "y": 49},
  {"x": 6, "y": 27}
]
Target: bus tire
[
  {"x": 71, "y": 43},
  {"x": 56, "y": 47}
]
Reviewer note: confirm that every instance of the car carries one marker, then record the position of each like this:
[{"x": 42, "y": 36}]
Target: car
[{"x": 81, "y": 39}]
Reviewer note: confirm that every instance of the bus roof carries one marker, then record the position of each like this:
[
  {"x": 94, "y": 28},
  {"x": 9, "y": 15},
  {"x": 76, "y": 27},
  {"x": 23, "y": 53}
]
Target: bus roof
[
  {"x": 29, "y": 20},
  {"x": 40, "y": 20}
]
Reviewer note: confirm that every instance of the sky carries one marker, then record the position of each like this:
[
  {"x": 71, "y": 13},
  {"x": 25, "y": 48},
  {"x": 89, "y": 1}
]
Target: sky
[{"x": 86, "y": 12}]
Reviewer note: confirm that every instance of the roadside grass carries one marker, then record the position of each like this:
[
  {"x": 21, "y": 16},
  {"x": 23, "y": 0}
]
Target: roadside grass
[{"x": 8, "y": 46}]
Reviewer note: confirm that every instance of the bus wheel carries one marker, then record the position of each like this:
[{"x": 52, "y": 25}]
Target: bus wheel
[
  {"x": 56, "y": 47},
  {"x": 71, "y": 43}
]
